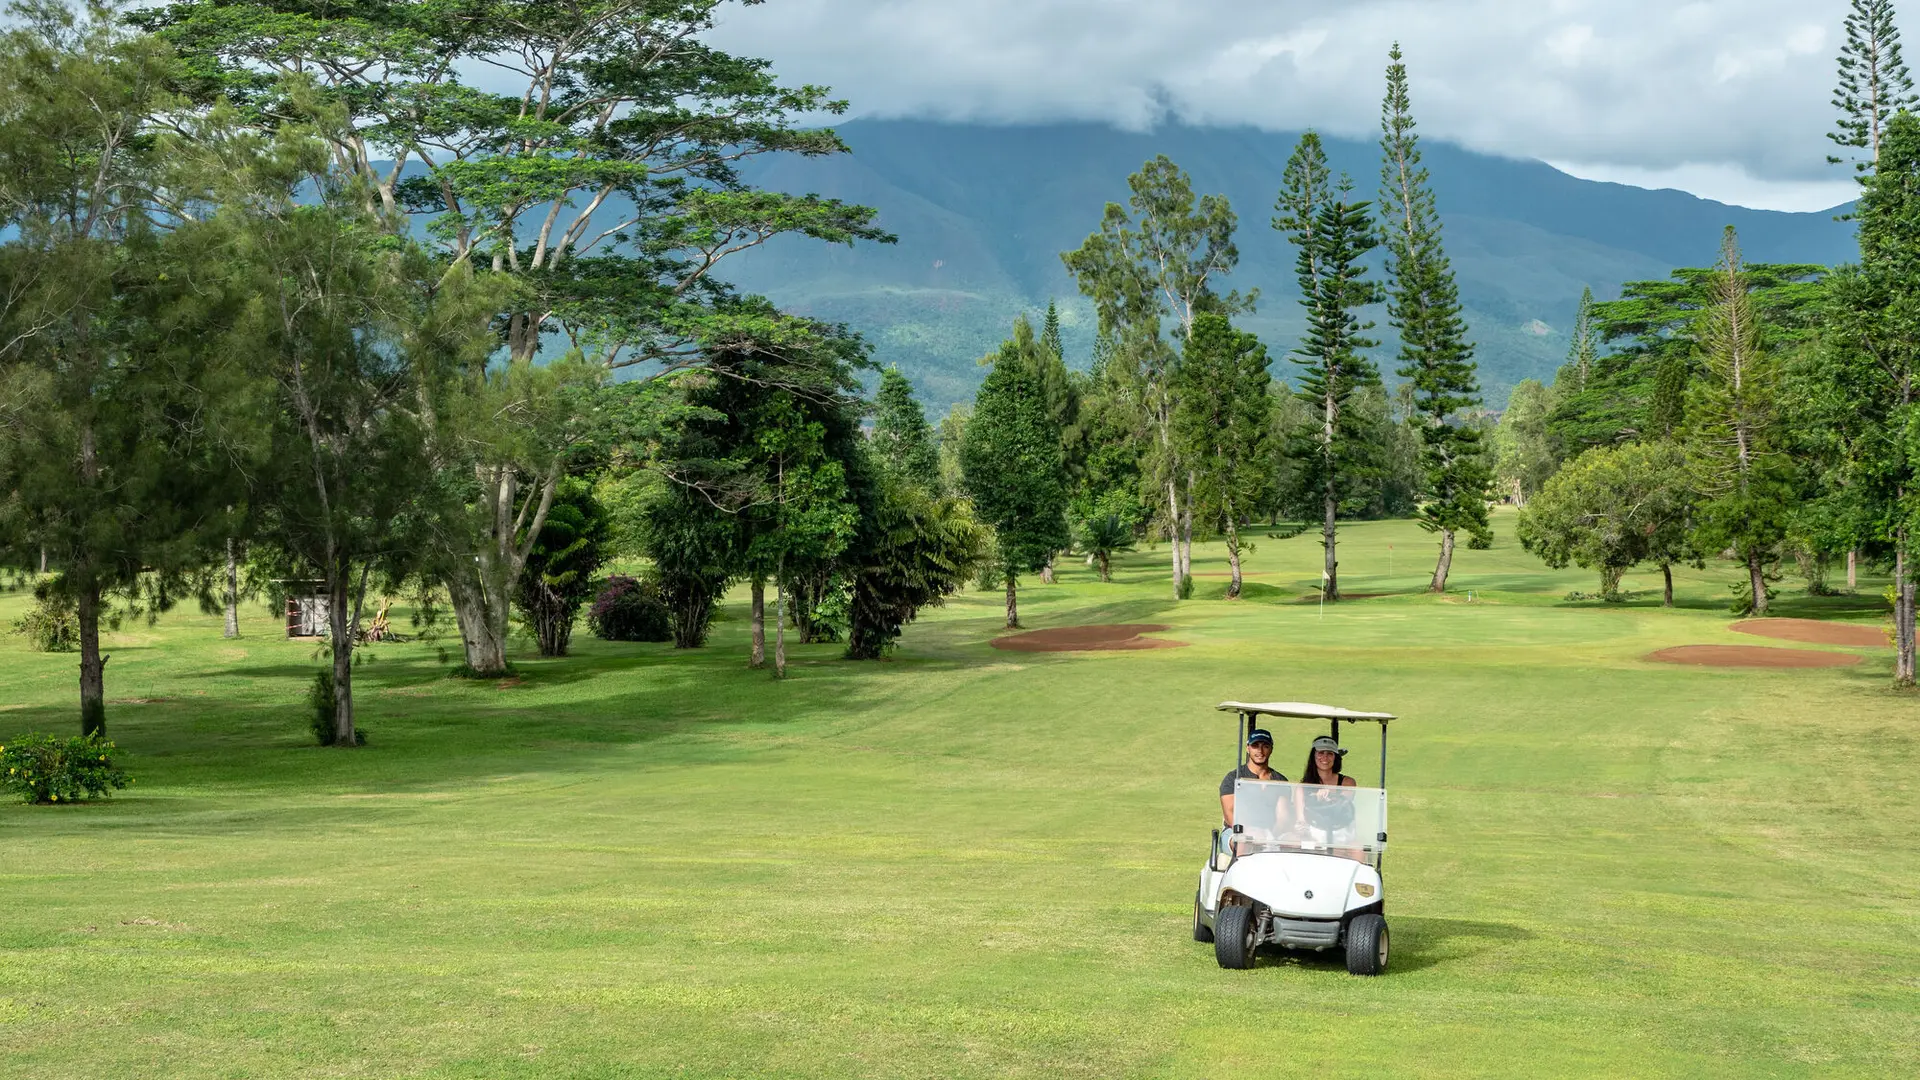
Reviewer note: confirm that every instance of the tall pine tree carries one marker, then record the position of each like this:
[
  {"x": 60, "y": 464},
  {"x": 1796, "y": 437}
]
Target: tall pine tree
[
  {"x": 1331, "y": 234},
  {"x": 902, "y": 438},
  {"x": 1584, "y": 353},
  {"x": 1734, "y": 436},
  {"x": 1873, "y": 83},
  {"x": 1435, "y": 356}
]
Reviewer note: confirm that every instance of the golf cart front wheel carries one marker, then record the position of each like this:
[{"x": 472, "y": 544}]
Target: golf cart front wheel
[
  {"x": 1233, "y": 942},
  {"x": 1201, "y": 931},
  {"x": 1367, "y": 945}
]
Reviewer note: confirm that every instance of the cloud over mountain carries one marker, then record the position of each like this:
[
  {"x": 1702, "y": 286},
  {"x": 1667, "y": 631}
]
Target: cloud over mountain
[{"x": 1726, "y": 97}]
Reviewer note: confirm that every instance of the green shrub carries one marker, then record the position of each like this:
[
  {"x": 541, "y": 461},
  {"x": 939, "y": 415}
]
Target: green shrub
[
  {"x": 631, "y": 609},
  {"x": 51, "y": 624},
  {"x": 320, "y": 701},
  {"x": 43, "y": 769}
]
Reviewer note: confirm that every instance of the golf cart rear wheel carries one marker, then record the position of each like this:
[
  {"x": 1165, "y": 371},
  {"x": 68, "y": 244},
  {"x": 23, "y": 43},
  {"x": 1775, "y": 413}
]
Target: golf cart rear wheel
[
  {"x": 1201, "y": 931},
  {"x": 1367, "y": 945},
  {"x": 1233, "y": 942}
]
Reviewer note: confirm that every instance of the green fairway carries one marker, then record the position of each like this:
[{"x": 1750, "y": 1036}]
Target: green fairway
[{"x": 963, "y": 862}]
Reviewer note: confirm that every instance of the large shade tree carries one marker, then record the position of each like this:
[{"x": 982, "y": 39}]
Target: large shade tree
[
  {"x": 590, "y": 151},
  {"x": 1611, "y": 509}
]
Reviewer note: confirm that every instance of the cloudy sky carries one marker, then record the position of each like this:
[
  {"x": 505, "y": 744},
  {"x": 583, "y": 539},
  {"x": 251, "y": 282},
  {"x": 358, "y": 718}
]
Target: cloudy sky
[{"x": 1724, "y": 98}]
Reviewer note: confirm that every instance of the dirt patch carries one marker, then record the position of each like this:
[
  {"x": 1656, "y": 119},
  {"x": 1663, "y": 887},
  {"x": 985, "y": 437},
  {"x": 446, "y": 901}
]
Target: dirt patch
[
  {"x": 1813, "y": 631},
  {"x": 1751, "y": 656},
  {"x": 1110, "y": 638}
]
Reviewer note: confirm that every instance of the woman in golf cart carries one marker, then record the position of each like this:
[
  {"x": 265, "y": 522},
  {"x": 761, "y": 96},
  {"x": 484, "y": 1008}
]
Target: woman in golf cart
[
  {"x": 1328, "y": 813},
  {"x": 1323, "y": 764}
]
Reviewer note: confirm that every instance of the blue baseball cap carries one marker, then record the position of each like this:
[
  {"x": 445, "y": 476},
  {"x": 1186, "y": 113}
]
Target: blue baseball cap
[{"x": 1260, "y": 735}]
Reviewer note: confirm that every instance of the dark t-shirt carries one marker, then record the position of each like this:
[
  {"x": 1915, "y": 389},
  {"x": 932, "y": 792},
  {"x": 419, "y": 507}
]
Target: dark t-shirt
[{"x": 1244, "y": 773}]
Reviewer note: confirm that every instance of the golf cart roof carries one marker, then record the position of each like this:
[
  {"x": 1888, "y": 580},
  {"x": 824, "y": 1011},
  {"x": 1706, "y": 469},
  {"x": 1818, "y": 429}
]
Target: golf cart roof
[{"x": 1304, "y": 710}]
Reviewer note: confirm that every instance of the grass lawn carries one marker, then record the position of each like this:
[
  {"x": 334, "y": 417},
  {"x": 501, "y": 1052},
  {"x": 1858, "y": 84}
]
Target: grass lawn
[{"x": 638, "y": 862}]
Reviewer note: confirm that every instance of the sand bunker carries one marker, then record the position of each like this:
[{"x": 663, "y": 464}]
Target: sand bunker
[
  {"x": 1751, "y": 656},
  {"x": 1115, "y": 637},
  {"x": 1814, "y": 632}
]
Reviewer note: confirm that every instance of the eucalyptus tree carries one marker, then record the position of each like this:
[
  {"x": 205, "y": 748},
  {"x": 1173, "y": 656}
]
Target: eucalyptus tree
[
  {"x": 1160, "y": 257},
  {"x": 1331, "y": 234},
  {"x": 589, "y": 151},
  {"x": 1523, "y": 453},
  {"x": 1435, "y": 356},
  {"x": 121, "y": 441}
]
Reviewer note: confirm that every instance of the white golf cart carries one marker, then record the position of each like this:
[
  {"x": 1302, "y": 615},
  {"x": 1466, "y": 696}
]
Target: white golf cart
[{"x": 1300, "y": 867}]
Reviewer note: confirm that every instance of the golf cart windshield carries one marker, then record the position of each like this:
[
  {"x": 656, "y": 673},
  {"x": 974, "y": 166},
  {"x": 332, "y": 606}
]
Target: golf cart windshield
[{"x": 1350, "y": 822}]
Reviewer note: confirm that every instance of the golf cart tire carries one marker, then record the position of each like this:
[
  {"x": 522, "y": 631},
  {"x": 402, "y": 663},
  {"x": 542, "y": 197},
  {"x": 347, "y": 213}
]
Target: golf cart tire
[
  {"x": 1233, "y": 944},
  {"x": 1201, "y": 931},
  {"x": 1367, "y": 944}
]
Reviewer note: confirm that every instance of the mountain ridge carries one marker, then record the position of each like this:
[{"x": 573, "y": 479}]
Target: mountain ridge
[{"x": 983, "y": 212}]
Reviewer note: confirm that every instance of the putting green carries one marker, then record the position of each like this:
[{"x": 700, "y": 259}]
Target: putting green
[{"x": 969, "y": 862}]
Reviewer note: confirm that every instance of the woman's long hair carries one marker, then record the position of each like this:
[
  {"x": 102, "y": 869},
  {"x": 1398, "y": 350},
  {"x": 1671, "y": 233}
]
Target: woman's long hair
[{"x": 1307, "y": 774}]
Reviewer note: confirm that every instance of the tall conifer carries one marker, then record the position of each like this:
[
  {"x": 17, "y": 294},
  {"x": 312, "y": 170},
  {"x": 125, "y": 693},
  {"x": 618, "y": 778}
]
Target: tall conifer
[
  {"x": 1873, "y": 83},
  {"x": 1585, "y": 350},
  {"x": 902, "y": 438},
  {"x": 1435, "y": 356},
  {"x": 1331, "y": 234}
]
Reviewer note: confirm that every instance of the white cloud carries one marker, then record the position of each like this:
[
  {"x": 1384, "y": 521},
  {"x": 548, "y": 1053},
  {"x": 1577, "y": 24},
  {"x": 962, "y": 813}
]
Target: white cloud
[{"x": 1705, "y": 92}]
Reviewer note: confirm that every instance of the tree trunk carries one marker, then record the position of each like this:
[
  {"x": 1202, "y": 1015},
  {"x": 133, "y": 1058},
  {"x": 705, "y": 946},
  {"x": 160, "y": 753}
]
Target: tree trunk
[
  {"x": 1013, "y": 606},
  {"x": 780, "y": 623},
  {"x": 93, "y": 666},
  {"x": 1330, "y": 574},
  {"x": 1186, "y": 535},
  {"x": 1445, "y": 566},
  {"x": 1610, "y": 581},
  {"x": 1757, "y": 576},
  {"x": 340, "y": 624},
  {"x": 233, "y": 592},
  {"x": 1046, "y": 573},
  {"x": 483, "y": 626},
  {"x": 1666, "y": 573},
  {"x": 1853, "y": 573},
  {"x": 758, "y": 658},
  {"x": 488, "y": 575},
  {"x": 43, "y": 560},
  {"x": 1173, "y": 532},
  {"x": 1903, "y": 612},
  {"x": 1106, "y": 566},
  {"x": 1233, "y": 561}
]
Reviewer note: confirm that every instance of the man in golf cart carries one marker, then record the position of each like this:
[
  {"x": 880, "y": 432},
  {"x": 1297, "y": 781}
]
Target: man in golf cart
[{"x": 1259, "y": 750}]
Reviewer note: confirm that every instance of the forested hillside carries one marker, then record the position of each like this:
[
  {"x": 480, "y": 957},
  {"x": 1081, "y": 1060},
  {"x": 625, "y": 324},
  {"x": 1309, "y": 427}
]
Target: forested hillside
[{"x": 982, "y": 214}]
